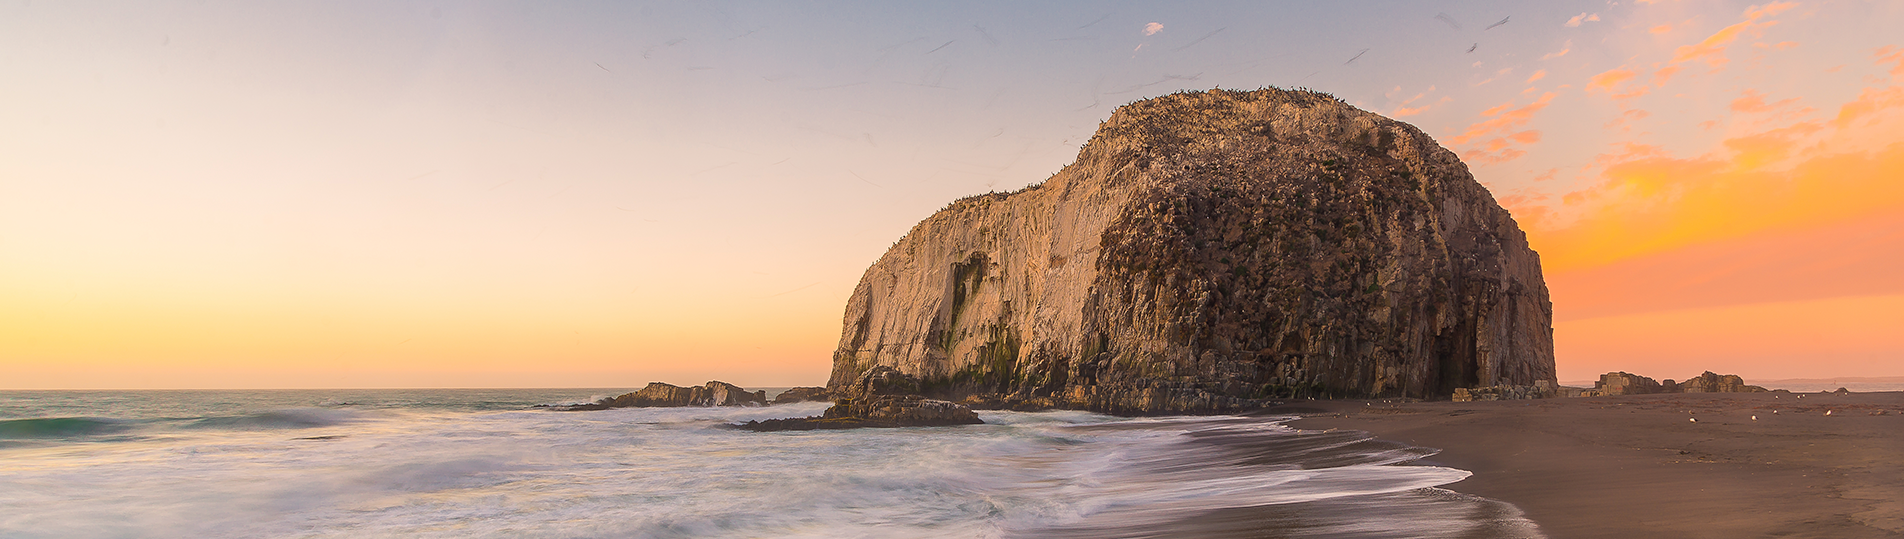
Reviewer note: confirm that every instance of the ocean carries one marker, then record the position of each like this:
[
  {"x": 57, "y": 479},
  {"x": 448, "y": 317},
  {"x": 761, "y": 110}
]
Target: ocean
[{"x": 488, "y": 463}]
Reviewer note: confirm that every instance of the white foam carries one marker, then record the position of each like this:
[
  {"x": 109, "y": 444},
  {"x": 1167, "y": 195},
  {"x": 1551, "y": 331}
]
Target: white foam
[{"x": 677, "y": 473}]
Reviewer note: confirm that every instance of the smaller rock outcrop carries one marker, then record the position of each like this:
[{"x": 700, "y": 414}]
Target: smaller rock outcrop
[
  {"x": 803, "y": 394},
  {"x": 882, "y": 397},
  {"x": 1622, "y": 383},
  {"x": 661, "y": 395},
  {"x": 1502, "y": 393},
  {"x": 1708, "y": 382}
]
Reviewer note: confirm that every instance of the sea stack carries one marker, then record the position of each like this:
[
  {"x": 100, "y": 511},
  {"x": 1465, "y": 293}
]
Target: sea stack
[{"x": 1207, "y": 251}]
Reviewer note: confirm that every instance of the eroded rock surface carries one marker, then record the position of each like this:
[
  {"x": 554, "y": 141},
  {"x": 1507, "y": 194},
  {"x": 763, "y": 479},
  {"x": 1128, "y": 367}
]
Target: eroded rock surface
[{"x": 1208, "y": 250}]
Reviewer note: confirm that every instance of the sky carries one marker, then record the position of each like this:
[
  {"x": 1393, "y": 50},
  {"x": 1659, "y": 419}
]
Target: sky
[{"x": 603, "y": 194}]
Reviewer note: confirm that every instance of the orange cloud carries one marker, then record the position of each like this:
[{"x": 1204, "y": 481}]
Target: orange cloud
[
  {"x": 1503, "y": 118},
  {"x": 1889, "y": 55},
  {"x": 1665, "y": 74},
  {"x": 1661, "y": 29},
  {"x": 1628, "y": 116},
  {"x": 1498, "y": 136},
  {"x": 1405, "y": 110},
  {"x": 1754, "y": 102},
  {"x": 1869, "y": 102},
  {"x": 1605, "y": 81},
  {"x": 1712, "y": 49},
  {"x": 1770, "y": 147},
  {"x": 1536, "y": 76},
  {"x": 1564, "y": 49}
]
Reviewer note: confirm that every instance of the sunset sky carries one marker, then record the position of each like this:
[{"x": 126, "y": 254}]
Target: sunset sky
[{"x": 468, "y": 194}]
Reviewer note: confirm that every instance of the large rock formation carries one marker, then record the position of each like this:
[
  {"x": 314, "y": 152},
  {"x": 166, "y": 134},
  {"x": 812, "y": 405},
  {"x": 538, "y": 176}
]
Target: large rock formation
[{"x": 1208, "y": 249}]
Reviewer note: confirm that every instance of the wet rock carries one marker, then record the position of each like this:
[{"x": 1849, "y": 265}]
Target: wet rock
[
  {"x": 726, "y": 394},
  {"x": 662, "y": 395},
  {"x": 888, "y": 411},
  {"x": 882, "y": 397},
  {"x": 904, "y": 410}
]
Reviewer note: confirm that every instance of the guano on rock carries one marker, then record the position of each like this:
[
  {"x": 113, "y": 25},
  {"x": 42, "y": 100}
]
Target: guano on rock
[{"x": 1206, "y": 251}]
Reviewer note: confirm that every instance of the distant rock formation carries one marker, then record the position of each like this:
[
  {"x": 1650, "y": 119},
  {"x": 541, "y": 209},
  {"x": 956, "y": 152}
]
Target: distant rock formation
[
  {"x": 882, "y": 397},
  {"x": 1208, "y": 250},
  {"x": 1623, "y": 383},
  {"x": 803, "y": 394},
  {"x": 657, "y": 394},
  {"x": 1708, "y": 382}
]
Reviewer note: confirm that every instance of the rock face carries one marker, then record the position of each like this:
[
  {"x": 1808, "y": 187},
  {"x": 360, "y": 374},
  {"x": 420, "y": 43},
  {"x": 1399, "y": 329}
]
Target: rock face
[
  {"x": 904, "y": 411},
  {"x": 1208, "y": 249},
  {"x": 657, "y": 394}
]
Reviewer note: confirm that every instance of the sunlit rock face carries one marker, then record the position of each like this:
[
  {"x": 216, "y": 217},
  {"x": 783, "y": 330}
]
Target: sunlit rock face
[{"x": 1208, "y": 250}]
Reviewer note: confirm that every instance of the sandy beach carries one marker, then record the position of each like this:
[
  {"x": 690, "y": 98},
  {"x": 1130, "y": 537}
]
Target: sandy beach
[{"x": 1670, "y": 465}]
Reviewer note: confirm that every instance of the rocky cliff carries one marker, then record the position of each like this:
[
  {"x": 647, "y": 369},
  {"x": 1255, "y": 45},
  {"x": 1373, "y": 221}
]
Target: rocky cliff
[{"x": 1208, "y": 249}]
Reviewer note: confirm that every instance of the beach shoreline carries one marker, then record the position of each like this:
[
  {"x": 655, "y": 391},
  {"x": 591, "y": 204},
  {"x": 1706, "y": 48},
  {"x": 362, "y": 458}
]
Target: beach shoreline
[{"x": 1668, "y": 465}]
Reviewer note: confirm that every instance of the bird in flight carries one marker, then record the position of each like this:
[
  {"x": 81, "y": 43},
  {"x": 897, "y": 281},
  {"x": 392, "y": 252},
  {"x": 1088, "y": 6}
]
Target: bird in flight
[
  {"x": 1443, "y": 17},
  {"x": 1491, "y": 26}
]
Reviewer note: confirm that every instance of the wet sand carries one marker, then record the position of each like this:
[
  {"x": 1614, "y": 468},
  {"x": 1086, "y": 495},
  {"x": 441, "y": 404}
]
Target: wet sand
[{"x": 1639, "y": 466}]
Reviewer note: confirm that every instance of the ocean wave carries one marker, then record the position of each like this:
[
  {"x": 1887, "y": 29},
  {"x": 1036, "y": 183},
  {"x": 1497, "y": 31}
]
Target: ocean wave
[
  {"x": 293, "y": 418},
  {"x": 60, "y": 427},
  {"x": 433, "y": 471}
]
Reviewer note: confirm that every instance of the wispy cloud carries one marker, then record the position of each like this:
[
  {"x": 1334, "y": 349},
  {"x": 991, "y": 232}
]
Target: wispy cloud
[
  {"x": 1564, "y": 49},
  {"x": 1499, "y": 139}
]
